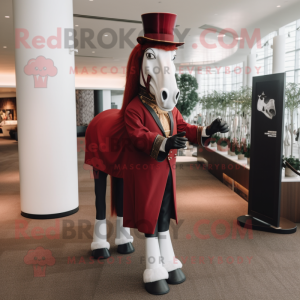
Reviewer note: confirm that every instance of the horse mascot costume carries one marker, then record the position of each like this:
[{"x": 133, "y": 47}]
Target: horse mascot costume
[{"x": 137, "y": 146}]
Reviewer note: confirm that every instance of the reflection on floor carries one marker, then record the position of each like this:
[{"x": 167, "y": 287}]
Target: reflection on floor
[{"x": 219, "y": 261}]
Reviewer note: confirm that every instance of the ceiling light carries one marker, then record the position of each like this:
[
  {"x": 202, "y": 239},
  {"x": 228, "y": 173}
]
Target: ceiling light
[
  {"x": 278, "y": 5},
  {"x": 7, "y": 17},
  {"x": 105, "y": 34},
  {"x": 4, "y": 47},
  {"x": 93, "y": 51},
  {"x": 76, "y": 25}
]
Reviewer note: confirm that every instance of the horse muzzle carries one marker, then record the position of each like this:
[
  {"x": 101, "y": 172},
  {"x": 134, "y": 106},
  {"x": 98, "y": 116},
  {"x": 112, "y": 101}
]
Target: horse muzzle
[{"x": 168, "y": 100}]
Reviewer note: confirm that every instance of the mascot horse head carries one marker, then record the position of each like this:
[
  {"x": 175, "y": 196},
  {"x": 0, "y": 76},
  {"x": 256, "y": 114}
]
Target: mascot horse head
[
  {"x": 159, "y": 70},
  {"x": 151, "y": 62}
]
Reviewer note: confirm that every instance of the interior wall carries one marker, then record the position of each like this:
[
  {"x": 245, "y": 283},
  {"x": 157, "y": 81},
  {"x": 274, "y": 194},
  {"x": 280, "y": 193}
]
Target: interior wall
[
  {"x": 9, "y": 106},
  {"x": 118, "y": 100},
  {"x": 84, "y": 107}
]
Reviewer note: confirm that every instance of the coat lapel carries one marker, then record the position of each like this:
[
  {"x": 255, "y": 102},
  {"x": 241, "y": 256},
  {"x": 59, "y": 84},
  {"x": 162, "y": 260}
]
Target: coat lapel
[
  {"x": 156, "y": 119},
  {"x": 171, "y": 122},
  {"x": 144, "y": 94}
]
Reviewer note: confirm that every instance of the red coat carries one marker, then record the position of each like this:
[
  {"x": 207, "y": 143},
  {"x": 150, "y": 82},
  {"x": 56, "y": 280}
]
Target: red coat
[
  {"x": 104, "y": 138},
  {"x": 145, "y": 178},
  {"x": 123, "y": 150}
]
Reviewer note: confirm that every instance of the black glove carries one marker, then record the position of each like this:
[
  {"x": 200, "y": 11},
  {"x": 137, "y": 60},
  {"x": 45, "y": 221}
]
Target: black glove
[
  {"x": 217, "y": 126},
  {"x": 177, "y": 141}
]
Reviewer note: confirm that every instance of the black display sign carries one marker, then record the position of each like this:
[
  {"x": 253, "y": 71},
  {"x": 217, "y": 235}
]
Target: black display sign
[{"x": 268, "y": 97}]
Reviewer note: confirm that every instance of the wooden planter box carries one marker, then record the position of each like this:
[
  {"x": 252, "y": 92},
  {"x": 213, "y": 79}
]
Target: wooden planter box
[{"x": 235, "y": 171}]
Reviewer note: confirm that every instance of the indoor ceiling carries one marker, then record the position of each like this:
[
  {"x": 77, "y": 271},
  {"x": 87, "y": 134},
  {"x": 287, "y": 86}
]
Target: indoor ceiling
[{"x": 192, "y": 14}]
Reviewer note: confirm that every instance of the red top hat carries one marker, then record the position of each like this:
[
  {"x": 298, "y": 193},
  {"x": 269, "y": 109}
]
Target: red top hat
[{"x": 158, "y": 27}]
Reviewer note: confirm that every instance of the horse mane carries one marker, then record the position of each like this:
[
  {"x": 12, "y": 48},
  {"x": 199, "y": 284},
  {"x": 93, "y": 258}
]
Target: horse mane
[{"x": 133, "y": 70}]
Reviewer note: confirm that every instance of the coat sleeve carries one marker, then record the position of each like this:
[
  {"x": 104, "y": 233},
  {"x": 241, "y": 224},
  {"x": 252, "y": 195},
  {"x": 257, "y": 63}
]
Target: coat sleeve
[
  {"x": 141, "y": 137},
  {"x": 193, "y": 132}
]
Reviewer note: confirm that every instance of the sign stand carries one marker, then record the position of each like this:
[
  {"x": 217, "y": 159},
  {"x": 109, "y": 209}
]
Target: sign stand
[
  {"x": 268, "y": 99},
  {"x": 249, "y": 222}
]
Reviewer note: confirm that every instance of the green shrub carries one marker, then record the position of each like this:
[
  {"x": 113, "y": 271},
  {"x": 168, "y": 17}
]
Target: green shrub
[
  {"x": 233, "y": 145},
  {"x": 294, "y": 162},
  {"x": 215, "y": 138},
  {"x": 240, "y": 149},
  {"x": 224, "y": 142},
  {"x": 247, "y": 154}
]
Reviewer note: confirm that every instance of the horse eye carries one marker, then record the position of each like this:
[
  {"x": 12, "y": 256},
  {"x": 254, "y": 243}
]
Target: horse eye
[{"x": 150, "y": 55}]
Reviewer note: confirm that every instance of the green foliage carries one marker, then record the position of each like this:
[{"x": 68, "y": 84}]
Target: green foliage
[
  {"x": 292, "y": 93},
  {"x": 247, "y": 154},
  {"x": 245, "y": 98},
  {"x": 294, "y": 162},
  {"x": 188, "y": 99},
  {"x": 224, "y": 142},
  {"x": 233, "y": 145},
  {"x": 215, "y": 138},
  {"x": 239, "y": 100},
  {"x": 240, "y": 149}
]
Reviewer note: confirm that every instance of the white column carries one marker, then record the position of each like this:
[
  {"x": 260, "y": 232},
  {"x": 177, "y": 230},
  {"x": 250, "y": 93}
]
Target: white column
[
  {"x": 250, "y": 69},
  {"x": 279, "y": 54},
  {"x": 46, "y": 109},
  {"x": 106, "y": 99}
]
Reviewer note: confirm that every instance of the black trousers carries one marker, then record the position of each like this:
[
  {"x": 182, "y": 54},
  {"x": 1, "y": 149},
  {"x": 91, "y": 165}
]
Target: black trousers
[
  {"x": 100, "y": 192},
  {"x": 167, "y": 210}
]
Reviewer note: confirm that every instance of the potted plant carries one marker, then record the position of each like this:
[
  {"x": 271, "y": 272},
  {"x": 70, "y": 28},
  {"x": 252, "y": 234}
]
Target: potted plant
[
  {"x": 247, "y": 154},
  {"x": 214, "y": 140},
  {"x": 229, "y": 148},
  {"x": 240, "y": 151},
  {"x": 292, "y": 93},
  {"x": 223, "y": 145},
  {"x": 233, "y": 146},
  {"x": 295, "y": 163}
]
